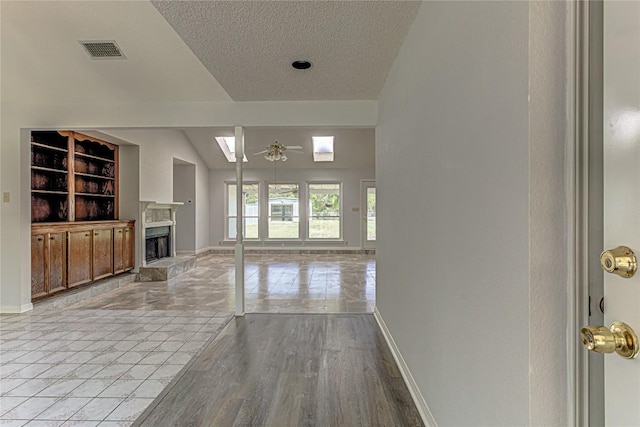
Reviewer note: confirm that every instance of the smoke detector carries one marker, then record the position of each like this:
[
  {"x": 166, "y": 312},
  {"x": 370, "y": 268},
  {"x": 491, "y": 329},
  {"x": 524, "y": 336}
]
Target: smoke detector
[{"x": 102, "y": 49}]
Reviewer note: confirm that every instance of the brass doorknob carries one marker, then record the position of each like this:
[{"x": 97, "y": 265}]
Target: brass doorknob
[
  {"x": 619, "y": 338},
  {"x": 621, "y": 261}
]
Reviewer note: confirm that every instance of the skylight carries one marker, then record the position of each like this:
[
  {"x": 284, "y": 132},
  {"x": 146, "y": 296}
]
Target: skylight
[
  {"x": 228, "y": 146},
  {"x": 322, "y": 148}
]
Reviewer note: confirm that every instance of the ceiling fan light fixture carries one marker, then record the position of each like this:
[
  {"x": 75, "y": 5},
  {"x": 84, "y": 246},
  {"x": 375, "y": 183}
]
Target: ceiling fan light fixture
[{"x": 301, "y": 65}]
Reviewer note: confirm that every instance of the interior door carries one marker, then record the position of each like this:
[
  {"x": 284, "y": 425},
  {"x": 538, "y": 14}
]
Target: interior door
[
  {"x": 622, "y": 197},
  {"x": 368, "y": 212}
]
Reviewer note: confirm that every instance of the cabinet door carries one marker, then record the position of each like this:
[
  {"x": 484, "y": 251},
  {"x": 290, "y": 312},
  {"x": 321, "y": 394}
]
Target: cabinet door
[
  {"x": 118, "y": 250},
  {"x": 102, "y": 253},
  {"x": 57, "y": 262},
  {"x": 128, "y": 249},
  {"x": 38, "y": 255},
  {"x": 79, "y": 257}
]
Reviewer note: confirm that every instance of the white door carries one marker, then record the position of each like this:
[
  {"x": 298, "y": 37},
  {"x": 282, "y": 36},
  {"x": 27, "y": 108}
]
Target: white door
[
  {"x": 622, "y": 197},
  {"x": 368, "y": 213}
]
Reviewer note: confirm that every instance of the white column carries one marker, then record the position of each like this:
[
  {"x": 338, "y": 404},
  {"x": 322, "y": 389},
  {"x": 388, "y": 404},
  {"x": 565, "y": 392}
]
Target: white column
[
  {"x": 239, "y": 133},
  {"x": 173, "y": 231}
]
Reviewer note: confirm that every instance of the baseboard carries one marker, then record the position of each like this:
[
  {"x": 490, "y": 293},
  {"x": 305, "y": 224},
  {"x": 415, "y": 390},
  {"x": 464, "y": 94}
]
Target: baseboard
[
  {"x": 421, "y": 404},
  {"x": 16, "y": 309}
]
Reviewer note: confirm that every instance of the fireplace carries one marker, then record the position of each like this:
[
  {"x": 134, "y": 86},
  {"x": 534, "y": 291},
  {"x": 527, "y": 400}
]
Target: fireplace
[
  {"x": 157, "y": 243},
  {"x": 158, "y": 230}
]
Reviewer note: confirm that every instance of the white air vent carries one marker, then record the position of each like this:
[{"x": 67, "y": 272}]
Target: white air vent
[{"x": 102, "y": 49}]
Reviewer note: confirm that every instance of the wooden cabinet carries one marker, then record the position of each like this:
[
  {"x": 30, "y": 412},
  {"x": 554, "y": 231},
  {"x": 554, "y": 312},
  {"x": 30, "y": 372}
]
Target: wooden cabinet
[
  {"x": 129, "y": 248},
  {"x": 38, "y": 256},
  {"x": 74, "y": 213},
  {"x": 74, "y": 177},
  {"x": 57, "y": 264},
  {"x": 123, "y": 249},
  {"x": 48, "y": 263},
  {"x": 65, "y": 255},
  {"x": 80, "y": 256},
  {"x": 102, "y": 253},
  {"x": 118, "y": 250}
]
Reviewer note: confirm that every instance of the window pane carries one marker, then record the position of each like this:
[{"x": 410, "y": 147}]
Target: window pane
[
  {"x": 231, "y": 199},
  {"x": 324, "y": 211},
  {"x": 250, "y": 205},
  {"x": 324, "y": 228},
  {"x": 371, "y": 213},
  {"x": 284, "y": 211},
  {"x": 233, "y": 221},
  {"x": 283, "y": 230},
  {"x": 250, "y": 208},
  {"x": 250, "y": 230}
]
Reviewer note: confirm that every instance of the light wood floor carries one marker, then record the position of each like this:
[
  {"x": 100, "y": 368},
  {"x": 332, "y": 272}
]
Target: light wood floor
[{"x": 289, "y": 370}]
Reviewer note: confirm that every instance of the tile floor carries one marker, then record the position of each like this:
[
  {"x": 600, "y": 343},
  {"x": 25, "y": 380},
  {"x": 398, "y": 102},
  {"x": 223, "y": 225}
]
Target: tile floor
[
  {"x": 103, "y": 361},
  {"x": 94, "y": 367},
  {"x": 275, "y": 283}
]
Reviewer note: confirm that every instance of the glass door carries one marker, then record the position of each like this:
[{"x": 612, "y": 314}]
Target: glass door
[{"x": 368, "y": 211}]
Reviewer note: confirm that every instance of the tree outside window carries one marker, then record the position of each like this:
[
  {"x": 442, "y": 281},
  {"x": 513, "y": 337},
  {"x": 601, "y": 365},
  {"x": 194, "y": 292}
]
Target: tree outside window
[{"x": 324, "y": 211}]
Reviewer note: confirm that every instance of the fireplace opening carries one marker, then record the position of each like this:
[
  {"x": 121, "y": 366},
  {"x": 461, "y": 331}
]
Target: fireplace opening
[{"x": 158, "y": 243}]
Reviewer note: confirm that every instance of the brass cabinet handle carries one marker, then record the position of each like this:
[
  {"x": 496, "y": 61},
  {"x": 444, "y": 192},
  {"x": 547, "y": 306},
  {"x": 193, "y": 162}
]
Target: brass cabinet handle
[
  {"x": 621, "y": 261},
  {"x": 619, "y": 338}
]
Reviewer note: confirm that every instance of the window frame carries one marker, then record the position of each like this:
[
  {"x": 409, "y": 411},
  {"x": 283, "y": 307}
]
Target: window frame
[
  {"x": 267, "y": 211},
  {"x": 309, "y": 213},
  {"x": 227, "y": 217}
]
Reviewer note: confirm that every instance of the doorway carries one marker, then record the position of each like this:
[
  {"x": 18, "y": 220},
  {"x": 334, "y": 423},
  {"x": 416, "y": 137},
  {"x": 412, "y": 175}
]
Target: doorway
[{"x": 184, "y": 191}]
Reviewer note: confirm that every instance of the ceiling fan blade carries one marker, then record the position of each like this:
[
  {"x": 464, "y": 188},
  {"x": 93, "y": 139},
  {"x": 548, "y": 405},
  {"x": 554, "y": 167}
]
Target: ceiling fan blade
[
  {"x": 261, "y": 152},
  {"x": 293, "y": 147}
]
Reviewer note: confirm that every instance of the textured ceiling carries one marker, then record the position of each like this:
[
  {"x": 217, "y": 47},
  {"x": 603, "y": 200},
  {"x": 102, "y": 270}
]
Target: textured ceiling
[{"x": 248, "y": 46}]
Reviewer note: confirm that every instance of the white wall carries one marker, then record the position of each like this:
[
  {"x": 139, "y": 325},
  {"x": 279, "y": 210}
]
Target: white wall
[
  {"x": 129, "y": 192},
  {"x": 350, "y": 179},
  {"x": 456, "y": 275},
  {"x": 548, "y": 262},
  {"x": 158, "y": 148}
]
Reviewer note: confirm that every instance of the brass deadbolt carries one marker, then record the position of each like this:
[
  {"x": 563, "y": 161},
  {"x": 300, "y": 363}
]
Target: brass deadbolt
[
  {"x": 619, "y": 338},
  {"x": 621, "y": 261}
]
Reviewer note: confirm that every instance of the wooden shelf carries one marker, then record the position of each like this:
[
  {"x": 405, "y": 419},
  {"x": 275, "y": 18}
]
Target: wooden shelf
[
  {"x": 49, "y": 147},
  {"x": 89, "y": 169},
  {"x": 40, "y": 168},
  {"x": 50, "y": 192},
  {"x": 94, "y": 176},
  {"x": 95, "y": 195},
  {"x": 89, "y": 156}
]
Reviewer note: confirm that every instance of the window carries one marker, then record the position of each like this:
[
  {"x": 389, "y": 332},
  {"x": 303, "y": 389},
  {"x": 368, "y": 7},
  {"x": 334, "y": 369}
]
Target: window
[
  {"x": 324, "y": 211},
  {"x": 322, "y": 148},
  {"x": 228, "y": 146},
  {"x": 284, "y": 212},
  {"x": 250, "y": 211}
]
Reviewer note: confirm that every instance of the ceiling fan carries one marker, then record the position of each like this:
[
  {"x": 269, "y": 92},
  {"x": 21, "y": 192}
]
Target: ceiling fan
[{"x": 276, "y": 151}]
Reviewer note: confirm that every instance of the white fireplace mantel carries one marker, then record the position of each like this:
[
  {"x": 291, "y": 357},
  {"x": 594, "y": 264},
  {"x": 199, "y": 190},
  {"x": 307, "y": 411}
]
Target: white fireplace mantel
[{"x": 158, "y": 214}]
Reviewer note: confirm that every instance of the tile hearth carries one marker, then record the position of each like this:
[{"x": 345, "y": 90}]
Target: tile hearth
[{"x": 167, "y": 268}]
